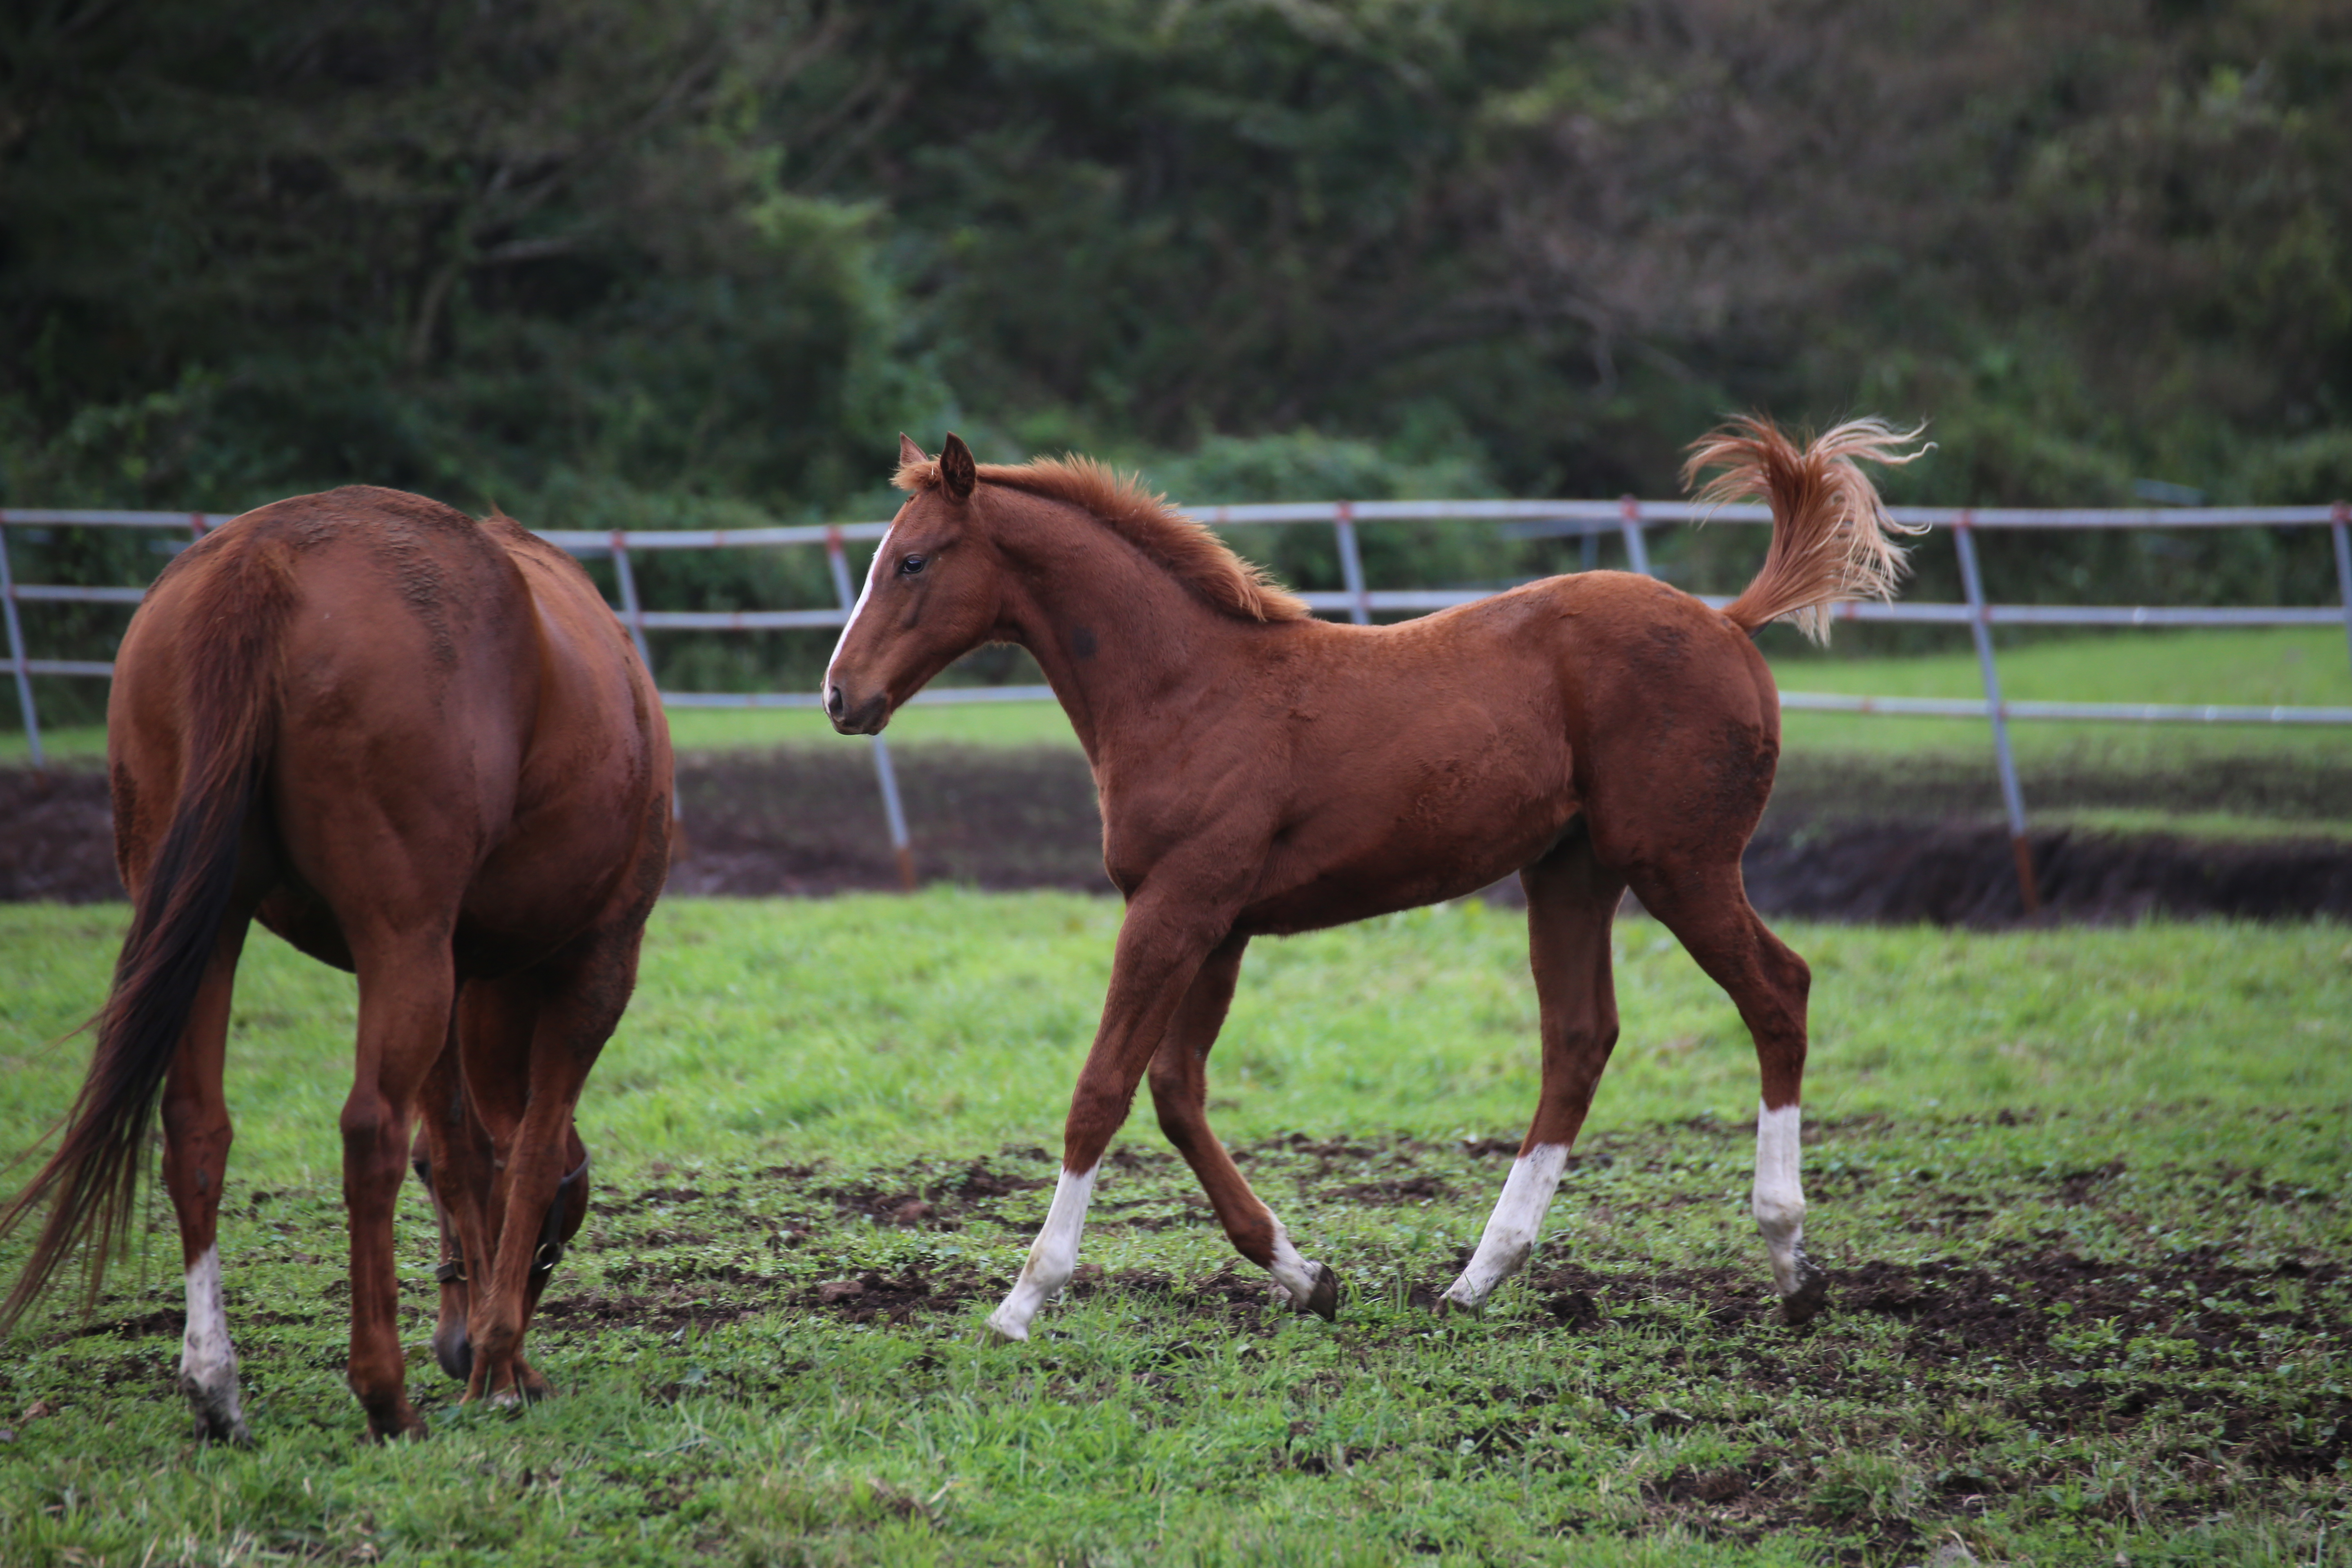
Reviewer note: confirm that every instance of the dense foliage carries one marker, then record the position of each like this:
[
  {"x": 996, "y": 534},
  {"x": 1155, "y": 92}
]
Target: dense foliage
[{"x": 620, "y": 262}]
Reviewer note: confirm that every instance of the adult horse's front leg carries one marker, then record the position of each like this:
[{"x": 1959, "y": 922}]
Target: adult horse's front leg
[
  {"x": 1571, "y": 903},
  {"x": 543, "y": 1031},
  {"x": 1180, "y": 1092},
  {"x": 1161, "y": 946}
]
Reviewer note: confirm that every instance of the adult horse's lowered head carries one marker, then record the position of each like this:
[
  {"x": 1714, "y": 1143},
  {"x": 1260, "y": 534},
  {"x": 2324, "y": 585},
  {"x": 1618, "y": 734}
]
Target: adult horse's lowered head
[
  {"x": 1262, "y": 771},
  {"x": 417, "y": 747}
]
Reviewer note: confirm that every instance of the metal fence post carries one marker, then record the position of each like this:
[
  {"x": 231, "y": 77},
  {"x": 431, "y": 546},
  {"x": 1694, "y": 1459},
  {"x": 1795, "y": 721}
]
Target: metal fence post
[
  {"x": 2341, "y": 526},
  {"x": 25, "y": 678},
  {"x": 1981, "y": 627},
  {"x": 1629, "y": 522},
  {"x": 1352, "y": 564},
  {"x": 632, "y": 616},
  {"x": 884, "y": 774}
]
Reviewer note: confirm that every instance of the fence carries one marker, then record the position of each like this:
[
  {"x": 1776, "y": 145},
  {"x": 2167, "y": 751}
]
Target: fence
[{"x": 1628, "y": 519}]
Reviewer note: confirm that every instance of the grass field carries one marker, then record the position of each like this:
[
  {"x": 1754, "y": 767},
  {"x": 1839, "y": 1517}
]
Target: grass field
[
  {"x": 2086, "y": 1198},
  {"x": 2294, "y": 667}
]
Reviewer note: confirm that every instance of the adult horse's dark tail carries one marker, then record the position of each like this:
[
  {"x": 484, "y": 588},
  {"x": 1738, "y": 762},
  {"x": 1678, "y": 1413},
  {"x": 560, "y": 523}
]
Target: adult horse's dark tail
[
  {"x": 223, "y": 653},
  {"x": 1829, "y": 532}
]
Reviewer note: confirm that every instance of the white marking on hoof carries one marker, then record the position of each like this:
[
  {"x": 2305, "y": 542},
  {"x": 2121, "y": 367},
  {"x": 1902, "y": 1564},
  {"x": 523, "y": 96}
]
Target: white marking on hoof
[
  {"x": 1511, "y": 1232},
  {"x": 1293, "y": 1273},
  {"x": 207, "y": 1359},
  {"x": 1052, "y": 1258},
  {"x": 1780, "y": 1200}
]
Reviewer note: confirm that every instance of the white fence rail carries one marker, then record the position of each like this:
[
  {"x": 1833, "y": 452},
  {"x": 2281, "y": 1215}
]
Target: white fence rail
[{"x": 1628, "y": 519}]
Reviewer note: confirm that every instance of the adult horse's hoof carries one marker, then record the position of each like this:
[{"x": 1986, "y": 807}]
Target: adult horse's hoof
[
  {"x": 1323, "y": 1298},
  {"x": 453, "y": 1351},
  {"x": 410, "y": 1428},
  {"x": 997, "y": 1332},
  {"x": 234, "y": 1431},
  {"x": 1803, "y": 1304},
  {"x": 220, "y": 1417}
]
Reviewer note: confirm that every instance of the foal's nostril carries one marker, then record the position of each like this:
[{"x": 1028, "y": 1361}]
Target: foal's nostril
[{"x": 834, "y": 702}]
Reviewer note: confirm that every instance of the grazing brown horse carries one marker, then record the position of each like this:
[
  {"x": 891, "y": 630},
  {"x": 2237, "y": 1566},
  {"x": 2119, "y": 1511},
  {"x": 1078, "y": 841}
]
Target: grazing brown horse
[
  {"x": 419, "y": 748},
  {"x": 1261, "y": 771}
]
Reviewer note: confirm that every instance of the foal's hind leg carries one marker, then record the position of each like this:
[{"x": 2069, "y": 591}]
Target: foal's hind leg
[
  {"x": 1180, "y": 1092},
  {"x": 196, "y": 1138},
  {"x": 1570, "y": 902},
  {"x": 1707, "y": 907}
]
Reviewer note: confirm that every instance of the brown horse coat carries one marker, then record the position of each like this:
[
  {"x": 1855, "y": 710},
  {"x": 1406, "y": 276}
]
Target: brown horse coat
[
  {"x": 1264, "y": 771},
  {"x": 417, "y": 747}
]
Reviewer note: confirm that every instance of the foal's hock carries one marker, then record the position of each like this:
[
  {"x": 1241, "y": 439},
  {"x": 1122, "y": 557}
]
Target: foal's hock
[
  {"x": 419, "y": 748},
  {"x": 1264, "y": 771}
]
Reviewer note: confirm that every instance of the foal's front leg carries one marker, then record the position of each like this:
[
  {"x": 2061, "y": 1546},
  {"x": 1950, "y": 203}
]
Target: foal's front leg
[
  {"x": 1571, "y": 900},
  {"x": 1161, "y": 945}
]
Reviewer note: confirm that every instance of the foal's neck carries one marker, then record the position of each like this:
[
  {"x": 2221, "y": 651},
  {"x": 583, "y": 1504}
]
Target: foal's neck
[{"x": 1123, "y": 642}]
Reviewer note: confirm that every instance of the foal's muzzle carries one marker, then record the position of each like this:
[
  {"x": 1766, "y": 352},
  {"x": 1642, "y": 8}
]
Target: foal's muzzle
[{"x": 866, "y": 718}]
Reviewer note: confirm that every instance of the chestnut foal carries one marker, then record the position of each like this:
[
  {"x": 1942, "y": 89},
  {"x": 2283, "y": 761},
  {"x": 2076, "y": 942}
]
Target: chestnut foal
[
  {"x": 1261, "y": 771},
  {"x": 419, "y": 748}
]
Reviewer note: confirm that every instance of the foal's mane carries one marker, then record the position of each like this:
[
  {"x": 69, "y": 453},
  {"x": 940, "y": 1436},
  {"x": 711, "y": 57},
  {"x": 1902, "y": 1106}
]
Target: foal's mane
[{"x": 1184, "y": 549}]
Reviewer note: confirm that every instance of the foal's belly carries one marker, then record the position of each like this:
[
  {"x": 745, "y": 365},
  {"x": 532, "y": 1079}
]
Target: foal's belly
[{"x": 1372, "y": 851}]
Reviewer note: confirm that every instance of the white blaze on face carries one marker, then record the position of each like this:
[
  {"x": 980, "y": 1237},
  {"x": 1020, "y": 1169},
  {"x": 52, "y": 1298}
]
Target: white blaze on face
[
  {"x": 1510, "y": 1234},
  {"x": 1053, "y": 1257},
  {"x": 207, "y": 1360},
  {"x": 1779, "y": 1199},
  {"x": 865, "y": 592}
]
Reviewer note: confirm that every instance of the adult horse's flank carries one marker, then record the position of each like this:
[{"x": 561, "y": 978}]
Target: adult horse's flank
[
  {"x": 1261, "y": 771},
  {"x": 417, "y": 747}
]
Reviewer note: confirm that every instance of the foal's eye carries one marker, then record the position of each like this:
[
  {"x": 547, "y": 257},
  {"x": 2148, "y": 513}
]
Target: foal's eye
[{"x": 910, "y": 565}]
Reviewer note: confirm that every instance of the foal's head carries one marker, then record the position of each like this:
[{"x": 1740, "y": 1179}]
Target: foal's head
[{"x": 931, "y": 596}]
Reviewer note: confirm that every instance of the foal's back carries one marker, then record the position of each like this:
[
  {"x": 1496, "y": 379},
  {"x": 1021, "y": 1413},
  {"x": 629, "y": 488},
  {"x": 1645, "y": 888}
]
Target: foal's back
[{"x": 1422, "y": 761}]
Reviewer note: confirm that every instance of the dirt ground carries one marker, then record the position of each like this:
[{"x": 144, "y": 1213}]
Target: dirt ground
[
  {"x": 1865, "y": 839},
  {"x": 2023, "y": 1304}
]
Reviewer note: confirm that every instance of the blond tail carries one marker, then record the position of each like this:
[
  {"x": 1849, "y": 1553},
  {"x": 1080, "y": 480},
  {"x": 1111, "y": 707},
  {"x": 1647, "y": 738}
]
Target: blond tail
[{"x": 1829, "y": 532}]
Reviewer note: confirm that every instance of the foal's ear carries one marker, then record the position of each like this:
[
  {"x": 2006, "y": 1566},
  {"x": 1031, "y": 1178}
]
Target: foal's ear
[
  {"x": 908, "y": 452},
  {"x": 957, "y": 473}
]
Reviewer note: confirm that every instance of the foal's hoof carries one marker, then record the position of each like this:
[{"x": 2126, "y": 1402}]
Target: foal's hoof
[
  {"x": 1803, "y": 1304},
  {"x": 998, "y": 1332},
  {"x": 1323, "y": 1298}
]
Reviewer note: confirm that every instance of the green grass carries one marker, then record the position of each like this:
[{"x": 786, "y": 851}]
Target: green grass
[
  {"x": 2300, "y": 667},
  {"x": 2169, "y": 1102}
]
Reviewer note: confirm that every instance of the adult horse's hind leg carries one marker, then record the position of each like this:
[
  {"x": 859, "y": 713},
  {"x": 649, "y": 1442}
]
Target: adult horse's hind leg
[
  {"x": 1180, "y": 1092},
  {"x": 196, "y": 1138},
  {"x": 1571, "y": 903},
  {"x": 406, "y": 988},
  {"x": 1707, "y": 907}
]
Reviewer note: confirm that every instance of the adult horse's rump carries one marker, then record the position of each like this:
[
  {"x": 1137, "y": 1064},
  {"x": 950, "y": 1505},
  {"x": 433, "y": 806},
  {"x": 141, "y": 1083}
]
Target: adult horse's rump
[
  {"x": 1261, "y": 771},
  {"x": 419, "y": 748}
]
